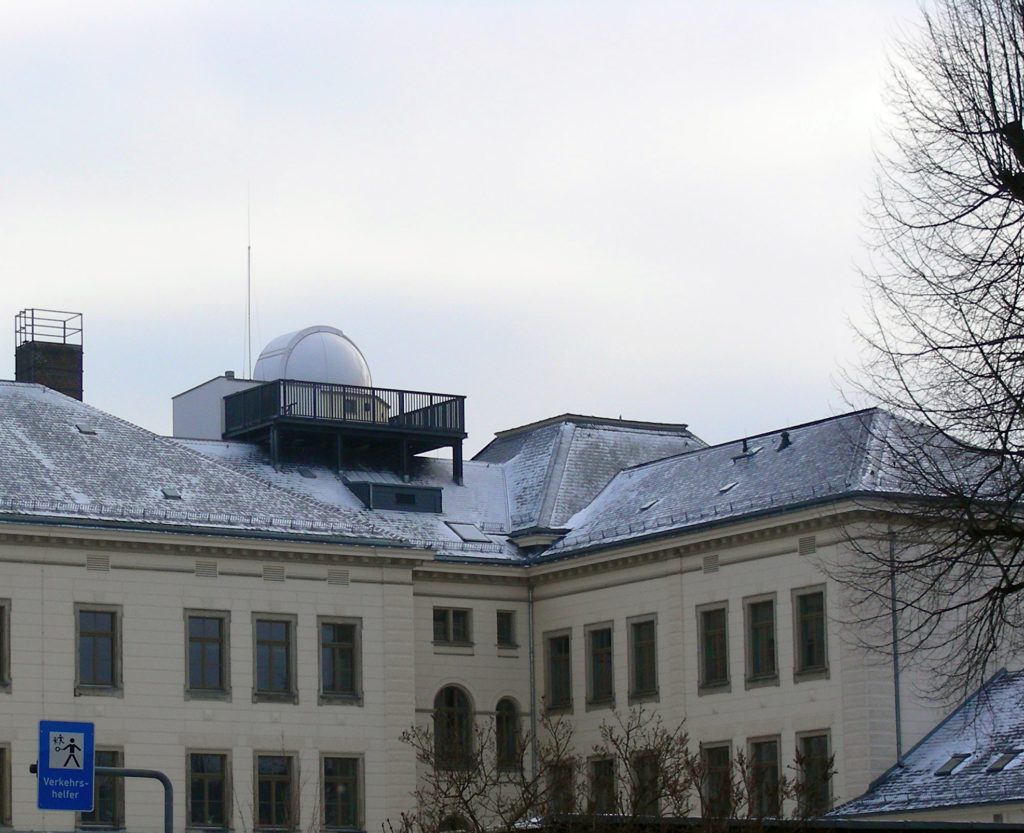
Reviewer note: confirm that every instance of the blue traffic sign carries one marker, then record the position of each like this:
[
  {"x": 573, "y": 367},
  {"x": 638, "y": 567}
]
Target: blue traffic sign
[{"x": 65, "y": 765}]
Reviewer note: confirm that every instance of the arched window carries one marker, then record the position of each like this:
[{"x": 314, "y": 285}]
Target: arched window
[
  {"x": 506, "y": 734},
  {"x": 453, "y": 728}
]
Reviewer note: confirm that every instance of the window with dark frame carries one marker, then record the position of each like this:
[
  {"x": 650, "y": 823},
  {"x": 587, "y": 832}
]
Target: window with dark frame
[
  {"x": 208, "y": 799},
  {"x": 97, "y": 649},
  {"x": 815, "y": 763},
  {"x": 453, "y": 728},
  {"x": 559, "y": 676},
  {"x": 714, "y": 647},
  {"x": 451, "y": 625},
  {"x": 108, "y": 796},
  {"x": 717, "y": 787},
  {"x": 506, "y": 736},
  {"x": 506, "y": 620},
  {"x": 648, "y": 789},
  {"x": 342, "y": 794},
  {"x": 5, "y": 651},
  {"x": 602, "y": 680},
  {"x": 339, "y": 659},
  {"x": 274, "y": 657},
  {"x": 643, "y": 658},
  {"x": 274, "y": 792},
  {"x": 5, "y": 789},
  {"x": 602, "y": 786},
  {"x": 207, "y": 656},
  {"x": 561, "y": 788},
  {"x": 811, "y": 653},
  {"x": 764, "y": 776},
  {"x": 761, "y": 639}
]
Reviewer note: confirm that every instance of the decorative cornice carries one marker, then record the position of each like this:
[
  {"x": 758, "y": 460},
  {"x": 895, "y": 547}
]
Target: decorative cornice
[{"x": 127, "y": 541}]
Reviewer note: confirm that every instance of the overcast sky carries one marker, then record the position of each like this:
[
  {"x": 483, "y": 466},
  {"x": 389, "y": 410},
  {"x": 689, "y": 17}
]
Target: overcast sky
[{"x": 628, "y": 208}]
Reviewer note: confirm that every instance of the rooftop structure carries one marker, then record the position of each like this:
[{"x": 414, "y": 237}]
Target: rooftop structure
[{"x": 973, "y": 758}]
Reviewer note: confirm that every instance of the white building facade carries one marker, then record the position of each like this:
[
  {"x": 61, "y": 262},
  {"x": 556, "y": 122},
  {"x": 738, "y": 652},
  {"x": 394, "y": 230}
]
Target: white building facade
[{"x": 261, "y": 616}]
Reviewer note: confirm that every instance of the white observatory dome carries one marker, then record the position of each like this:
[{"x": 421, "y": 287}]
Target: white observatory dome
[{"x": 315, "y": 354}]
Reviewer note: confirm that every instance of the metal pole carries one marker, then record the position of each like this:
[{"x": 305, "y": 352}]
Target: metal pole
[
  {"x": 123, "y": 772},
  {"x": 894, "y": 619}
]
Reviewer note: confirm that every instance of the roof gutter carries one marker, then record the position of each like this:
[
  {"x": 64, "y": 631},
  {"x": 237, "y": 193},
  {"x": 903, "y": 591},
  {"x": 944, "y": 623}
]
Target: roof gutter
[{"x": 179, "y": 529}]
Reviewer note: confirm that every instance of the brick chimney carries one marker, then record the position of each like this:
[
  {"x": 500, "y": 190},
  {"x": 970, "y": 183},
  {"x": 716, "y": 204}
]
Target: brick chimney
[{"x": 48, "y": 349}]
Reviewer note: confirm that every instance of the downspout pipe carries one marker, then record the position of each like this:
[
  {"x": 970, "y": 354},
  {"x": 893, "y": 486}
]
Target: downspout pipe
[
  {"x": 533, "y": 681},
  {"x": 895, "y": 647}
]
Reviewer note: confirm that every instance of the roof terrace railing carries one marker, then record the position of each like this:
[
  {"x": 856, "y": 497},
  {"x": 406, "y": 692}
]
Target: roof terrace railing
[{"x": 381, "y": 408}]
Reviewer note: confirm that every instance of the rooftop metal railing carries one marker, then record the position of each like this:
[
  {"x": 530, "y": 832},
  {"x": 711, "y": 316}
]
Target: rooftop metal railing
[{"x": 387, "y": 408}]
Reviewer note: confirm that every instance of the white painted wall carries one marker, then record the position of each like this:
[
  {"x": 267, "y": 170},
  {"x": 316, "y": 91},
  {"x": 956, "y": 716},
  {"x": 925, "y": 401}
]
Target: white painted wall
[
  {"x": 198, "y": 413},
  {"x": 153, "y": 721}
]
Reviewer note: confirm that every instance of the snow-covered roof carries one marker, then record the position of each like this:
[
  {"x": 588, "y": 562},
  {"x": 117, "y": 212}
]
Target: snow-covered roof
[
  {"x": 481, "y": 499},
  {"x": 980, "y": 747},
  {"x": 557, "y": 466},
  {"x": 768, "y": 472},
  {"x": 601, "y": 481},
  {"x": 64, "y": 460}
]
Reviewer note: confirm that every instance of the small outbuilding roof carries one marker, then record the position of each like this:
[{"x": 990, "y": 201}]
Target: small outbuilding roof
[{"x": 975, "y": 756}]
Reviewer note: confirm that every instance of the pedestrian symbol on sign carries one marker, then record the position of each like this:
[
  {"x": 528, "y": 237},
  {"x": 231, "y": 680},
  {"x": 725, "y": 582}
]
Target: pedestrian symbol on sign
[{"x": 66, "y": 750}]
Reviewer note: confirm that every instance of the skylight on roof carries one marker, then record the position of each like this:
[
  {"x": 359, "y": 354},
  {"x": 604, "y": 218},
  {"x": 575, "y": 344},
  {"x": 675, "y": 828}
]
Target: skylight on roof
[
  {"x": 468, "y": 532},
  {"x": 950, "y": 766},
  {"x": 308, "y": 473},
  {"x": 748, "y": 453},
  {"x": 1000, "y": 763},
  {"x": 645, "y": 506},
  {"x": 171, "y": 493},
  {"x": 729, "y": 486},
  {"x": 85, "y": 428}
]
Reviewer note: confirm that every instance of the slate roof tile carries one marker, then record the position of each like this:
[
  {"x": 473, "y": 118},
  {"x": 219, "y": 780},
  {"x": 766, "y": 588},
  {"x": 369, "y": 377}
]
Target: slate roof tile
[
  {"x": 987, "y": 725},
  {"x": 49, "y": 469}
]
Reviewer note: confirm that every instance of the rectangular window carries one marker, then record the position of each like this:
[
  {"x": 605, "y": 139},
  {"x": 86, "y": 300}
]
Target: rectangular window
[
  {"x": 561, "y": 789},
  {"x": 815, "y": 763},
  {"x": 507, "y": 629},
  {"x": 643, "y": 658},
  {"x": 206, "y": 635},
  {"x": 810, "y": 633},
  {"x": 5, "y": 785},
  {"x": 208, "y": 797},
  {"x": 342, "y": 794},
  {"x": 602, "y": 786},
  {"x": 714, "y": 641},
  {"x": 339, "y": 659},
  {"x": 764, "y": 778},
  {"x": 275, "y": 798},
  {"x": 275, "y": 658},
  {"x": 98, "y": 664},
  {"x": 452, "y": 625},
  {"x": 648, "y": 788},
  {"x": 717, "y": 787},
  {"x": 600, "y": 676},
  {"x": 5, "y": 650},
  {"x": 108, "y": 797},
  {"x": 559, "y": 677},
  {"x": 761, "y": 663}
]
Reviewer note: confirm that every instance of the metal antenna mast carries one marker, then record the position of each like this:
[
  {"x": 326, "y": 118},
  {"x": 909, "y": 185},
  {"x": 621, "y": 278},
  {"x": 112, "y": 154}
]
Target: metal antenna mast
[{"x": 248, "y": 285}]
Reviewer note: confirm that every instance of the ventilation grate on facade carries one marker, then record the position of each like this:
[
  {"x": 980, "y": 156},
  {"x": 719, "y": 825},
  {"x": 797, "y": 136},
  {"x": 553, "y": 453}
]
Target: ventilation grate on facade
[
  {"x": 807, "y": 545},
  {"x": 338, "y": 578},
  {"x": 206, "y": 569},
  {"x": 98, "y": 562},
  {"x": 711, "y": 563},
  {"x": 273, "y": 572}
]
